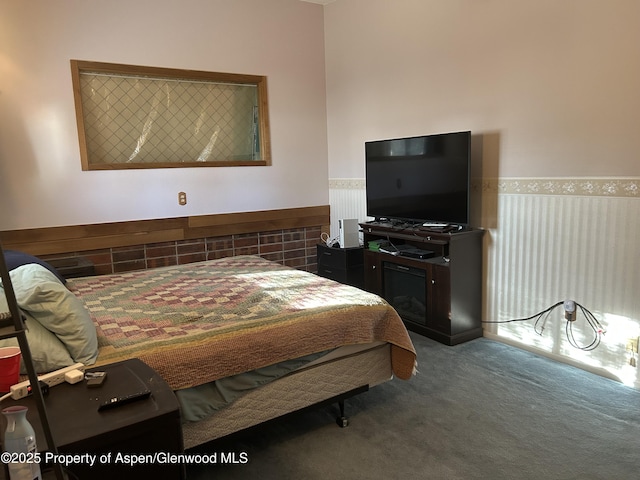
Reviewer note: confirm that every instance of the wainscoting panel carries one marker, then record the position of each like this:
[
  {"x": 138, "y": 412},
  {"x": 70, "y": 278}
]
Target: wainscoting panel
[
  {"x": 549, "y": 248},
  {"x": 347, "y": 198},
  {"x": 549, "y": 240},
  {"x": 552, "y": 248}
]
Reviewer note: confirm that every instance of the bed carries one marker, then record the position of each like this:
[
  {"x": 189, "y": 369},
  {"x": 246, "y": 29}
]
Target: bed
[{"x": 285, "y": 339}]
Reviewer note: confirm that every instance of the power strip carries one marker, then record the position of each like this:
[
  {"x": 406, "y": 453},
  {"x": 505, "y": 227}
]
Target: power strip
[{"x": 21, "y": 390}]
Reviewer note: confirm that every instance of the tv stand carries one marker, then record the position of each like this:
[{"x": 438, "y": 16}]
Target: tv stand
[{"x": 438, "y": 294}]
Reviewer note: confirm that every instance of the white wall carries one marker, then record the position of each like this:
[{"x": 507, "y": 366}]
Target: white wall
[
  {"x": 549, "y": 91},
  {"x": 41, "y": 182}
]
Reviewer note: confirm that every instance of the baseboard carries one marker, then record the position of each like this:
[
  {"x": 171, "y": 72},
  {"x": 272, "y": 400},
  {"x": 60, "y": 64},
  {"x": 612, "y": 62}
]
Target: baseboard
[{"x": 558, "y": 358}]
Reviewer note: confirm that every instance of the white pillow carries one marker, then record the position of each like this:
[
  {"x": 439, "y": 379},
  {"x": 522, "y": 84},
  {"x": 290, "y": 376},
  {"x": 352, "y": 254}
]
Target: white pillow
[
  {"x": 47, "y": 351},
  {"x": 40, "y": 294}
]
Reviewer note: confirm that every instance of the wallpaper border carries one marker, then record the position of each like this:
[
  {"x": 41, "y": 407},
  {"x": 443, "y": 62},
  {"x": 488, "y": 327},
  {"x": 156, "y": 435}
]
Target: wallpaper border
[
  {"x": 580, "y": 186},
  {"x": 347, "y": 183},
  {"x": 586, "y": 186}
]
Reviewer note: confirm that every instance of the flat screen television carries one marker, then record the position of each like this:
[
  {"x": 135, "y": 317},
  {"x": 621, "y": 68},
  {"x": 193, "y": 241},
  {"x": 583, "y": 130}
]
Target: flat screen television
[{"x": 419, "y": 179}]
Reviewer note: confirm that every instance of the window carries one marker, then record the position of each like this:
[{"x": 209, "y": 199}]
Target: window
[{"x": 147, "y": 117}]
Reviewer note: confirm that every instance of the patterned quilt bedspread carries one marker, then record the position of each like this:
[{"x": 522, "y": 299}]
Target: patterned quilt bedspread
[{"x": 199, "y": 322}]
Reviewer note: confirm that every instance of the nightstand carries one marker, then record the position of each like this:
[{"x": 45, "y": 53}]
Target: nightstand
[
  {"x": 345, "y": 265},
  {"x": 141, "y": 427}
]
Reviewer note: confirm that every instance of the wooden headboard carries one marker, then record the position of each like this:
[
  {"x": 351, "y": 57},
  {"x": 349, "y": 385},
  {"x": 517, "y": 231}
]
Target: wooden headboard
[
  {"x": 92, "y": 240},
  {"x": 52, "y": 240}
]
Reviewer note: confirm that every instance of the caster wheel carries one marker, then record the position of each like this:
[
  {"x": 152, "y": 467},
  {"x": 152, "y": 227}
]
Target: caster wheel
[{"x": 342, "y": 422}]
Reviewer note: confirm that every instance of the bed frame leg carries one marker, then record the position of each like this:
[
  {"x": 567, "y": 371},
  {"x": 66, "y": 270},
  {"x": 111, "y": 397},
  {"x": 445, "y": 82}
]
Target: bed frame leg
[{"x": 342, "y": 420}]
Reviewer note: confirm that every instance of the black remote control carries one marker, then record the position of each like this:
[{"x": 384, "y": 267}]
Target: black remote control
[{"x": 117, "y": 401}]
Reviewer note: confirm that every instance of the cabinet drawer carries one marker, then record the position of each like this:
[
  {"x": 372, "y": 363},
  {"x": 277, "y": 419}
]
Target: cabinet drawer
[
  {"x": 339, "y": 257},
  {"x": 353, "y": 276},
  {"x": 338, "y": 274}
]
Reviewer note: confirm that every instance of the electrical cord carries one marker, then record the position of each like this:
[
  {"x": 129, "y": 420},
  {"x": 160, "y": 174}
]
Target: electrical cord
[
  {"x": 329, "y": 241},
  {"x": 596, "y": 326},
  {"x": 570, "y": 316}
]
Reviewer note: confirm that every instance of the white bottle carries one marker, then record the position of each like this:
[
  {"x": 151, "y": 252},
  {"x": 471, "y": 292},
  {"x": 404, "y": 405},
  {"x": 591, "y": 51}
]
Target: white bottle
[{"x": 20, "y": 441}]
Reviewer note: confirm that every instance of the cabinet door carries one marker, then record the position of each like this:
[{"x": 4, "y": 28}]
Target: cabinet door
[
  {"x": 372, "y": 272},
  {"x": 439, "y": 295}
]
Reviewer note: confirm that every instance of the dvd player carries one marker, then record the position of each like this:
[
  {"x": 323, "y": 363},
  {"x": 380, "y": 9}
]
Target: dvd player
[{"x": 416, "y": 253}]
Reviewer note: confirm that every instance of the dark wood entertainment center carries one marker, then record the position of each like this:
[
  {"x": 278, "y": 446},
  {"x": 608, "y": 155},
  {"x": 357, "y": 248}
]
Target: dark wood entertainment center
[{"x": 433, "y": 277}]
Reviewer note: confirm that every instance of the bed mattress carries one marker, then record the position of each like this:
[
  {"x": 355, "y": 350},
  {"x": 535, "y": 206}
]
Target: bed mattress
[{"x": 204, "y": 321}]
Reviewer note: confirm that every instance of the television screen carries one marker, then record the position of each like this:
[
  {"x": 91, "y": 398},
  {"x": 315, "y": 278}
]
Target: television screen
[{"x": 419, "y": 179}]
